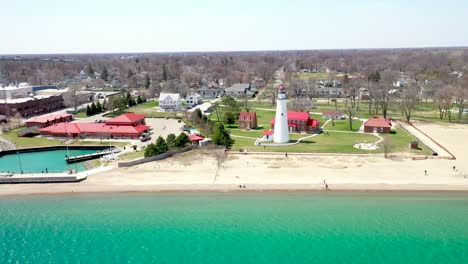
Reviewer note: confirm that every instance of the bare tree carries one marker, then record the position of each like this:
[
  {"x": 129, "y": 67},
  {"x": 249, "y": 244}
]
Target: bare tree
[
  {"x": 71, "y": 97},
  {"x": 382, "y": 91},
  {"x": 444, "y": 101},
  {"x": 409, "y": 100},
  {"x": 245, "y": 103},
  {"x": 272, "y": 95},
  {"x": 352, "y": 93},
  {"x": 219, "y": 154},
  {"x": 301, "y": 104},
  {"x": 461, "y": 95}
]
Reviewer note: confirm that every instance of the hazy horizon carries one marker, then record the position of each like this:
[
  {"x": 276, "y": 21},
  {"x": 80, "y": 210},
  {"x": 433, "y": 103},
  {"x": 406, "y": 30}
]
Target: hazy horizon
[{"x": 88, "y": 27}]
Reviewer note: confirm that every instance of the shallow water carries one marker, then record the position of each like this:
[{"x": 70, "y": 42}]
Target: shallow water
[
  {"x": 37, "y": 162},
  {"x": 295, "y": 227}
]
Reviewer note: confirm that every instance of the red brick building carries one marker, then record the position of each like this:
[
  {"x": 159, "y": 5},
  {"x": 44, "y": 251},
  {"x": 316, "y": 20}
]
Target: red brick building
[
  {"x": 300, "y": 122},
  {"x": 31, "y": 106},
  {"x": 248, "y": 120},
  {"x": 377, "y": 125}
]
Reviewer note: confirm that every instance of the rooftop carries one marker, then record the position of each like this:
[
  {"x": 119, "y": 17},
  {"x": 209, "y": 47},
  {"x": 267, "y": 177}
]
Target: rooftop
[{"x": 125, "y": 118}]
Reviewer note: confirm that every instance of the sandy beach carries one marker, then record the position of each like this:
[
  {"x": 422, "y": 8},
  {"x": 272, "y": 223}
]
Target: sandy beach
[{"x": 198, "y": 171}]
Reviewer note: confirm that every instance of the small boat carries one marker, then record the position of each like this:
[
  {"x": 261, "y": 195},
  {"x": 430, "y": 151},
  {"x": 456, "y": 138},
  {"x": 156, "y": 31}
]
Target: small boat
[{"x": 6, "y": 174}]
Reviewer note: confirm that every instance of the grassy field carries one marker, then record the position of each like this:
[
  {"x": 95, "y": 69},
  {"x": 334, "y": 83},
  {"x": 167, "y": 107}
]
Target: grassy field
[
  {"x": 132, "y": 155},
  {"x": 318, "y": 76},
  {"x": 343, "y": 125},
  {"x": 37, "y": 142},
  {"x": 333, "y": 143}
]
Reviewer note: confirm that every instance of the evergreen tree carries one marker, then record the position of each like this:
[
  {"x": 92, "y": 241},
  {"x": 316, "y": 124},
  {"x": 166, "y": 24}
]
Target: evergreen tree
[
  {"x": 131, "y": 101},
  {"x": 147, "y": 81},
  {"x": 90, "y": 70},
  {"x": 88, "y": 111},
  {"x": 170, "y": 141},
  {"x": 93, "y": 108},
  {"x": 229, "y": 118},
  {"x": 161, "y": 145},
  {"x": 105, "y": 74},
  {"x": 150, "y": 150},
  {"x": 165, "y": 75},
  {"x": 98, "y": 107},
  {"x": 221, "y": 136},
  {"x": 139, "y": 99},
  {"x": 127, "y": 98},
  {"x": 104, "y": 105},
  {"x": 182, "y": 140}
]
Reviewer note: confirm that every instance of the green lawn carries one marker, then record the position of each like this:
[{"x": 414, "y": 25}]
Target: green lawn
[
  {"x": 333, "y": 143},
  {"x": 343, "y": 125},
  {"x": 318, "y": 76},
  {"x": 81, "y": 114},
  {"x": 37, "y": 142}
]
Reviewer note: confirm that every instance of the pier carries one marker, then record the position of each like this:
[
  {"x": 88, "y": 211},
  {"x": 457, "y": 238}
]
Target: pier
[{"x": 74, "y": 159}]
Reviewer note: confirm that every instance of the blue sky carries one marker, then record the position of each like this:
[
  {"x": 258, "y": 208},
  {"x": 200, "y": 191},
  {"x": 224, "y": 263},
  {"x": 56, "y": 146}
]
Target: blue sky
[{"x": 64, "y": 26}]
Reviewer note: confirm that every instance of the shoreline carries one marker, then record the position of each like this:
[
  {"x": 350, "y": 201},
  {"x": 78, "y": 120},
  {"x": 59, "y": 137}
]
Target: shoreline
[
  {"x": 203, "y": 171},
  {"x": 254, "y": 188}
]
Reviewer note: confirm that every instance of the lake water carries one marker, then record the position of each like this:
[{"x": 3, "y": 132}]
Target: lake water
[
  {"x": 36, "y": 162},
  {"x": 295, "y": 227}
]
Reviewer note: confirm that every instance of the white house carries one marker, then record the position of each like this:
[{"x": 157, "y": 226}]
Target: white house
[
  {"x": 169, "y": 102},
  {"x": 194, "y": 99}
]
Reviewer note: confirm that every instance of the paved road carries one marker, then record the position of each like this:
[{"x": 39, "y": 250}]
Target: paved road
[{"x": 203, "y": 107}]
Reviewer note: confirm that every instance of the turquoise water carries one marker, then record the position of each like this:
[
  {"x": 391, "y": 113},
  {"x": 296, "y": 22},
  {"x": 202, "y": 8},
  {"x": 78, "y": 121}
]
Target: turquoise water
[
  {"x": 235, "y": 228},
  {"x": 53, "y": 160}
]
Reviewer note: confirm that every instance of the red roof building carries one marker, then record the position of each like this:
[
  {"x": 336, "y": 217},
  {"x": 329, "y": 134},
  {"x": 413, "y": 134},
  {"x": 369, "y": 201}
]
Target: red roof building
[
  {"x": 48, "y": 120},
  {"x": 127, "y": 119},
  {"x": 195, "y": 138},
  {"x": 248, "y": 120},
  {"x": 377, "y": 125},
  {"x": 300, "y": 122},
  {"x": 124, "y": 126}
]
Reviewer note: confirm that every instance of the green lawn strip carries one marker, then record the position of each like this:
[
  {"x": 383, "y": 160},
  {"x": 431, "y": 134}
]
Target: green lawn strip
[
  {"x": 343, "y": 125},
  {"x": 333, "y": 143},
  {"x": 132, "y": 155},
  {"x": 318, "y": 76}
]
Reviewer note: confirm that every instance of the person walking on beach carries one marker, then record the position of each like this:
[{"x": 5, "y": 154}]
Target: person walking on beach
[
  {"x": 326, "y": 185},
  {"x": 425, "y": 172},
  {"x": 454, "y": 168},
  {"x": 286, "y": 154}
]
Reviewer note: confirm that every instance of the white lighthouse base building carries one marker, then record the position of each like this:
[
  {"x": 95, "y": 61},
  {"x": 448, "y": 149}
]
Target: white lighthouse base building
[{"x": 281, "y": 130}]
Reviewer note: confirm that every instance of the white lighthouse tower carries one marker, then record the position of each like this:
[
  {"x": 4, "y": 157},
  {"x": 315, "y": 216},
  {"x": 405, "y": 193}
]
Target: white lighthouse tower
[{"x": 281, "y": 132}]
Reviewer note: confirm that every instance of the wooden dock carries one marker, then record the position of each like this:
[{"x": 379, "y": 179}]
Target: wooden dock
[{"x": 91, "y": 156}]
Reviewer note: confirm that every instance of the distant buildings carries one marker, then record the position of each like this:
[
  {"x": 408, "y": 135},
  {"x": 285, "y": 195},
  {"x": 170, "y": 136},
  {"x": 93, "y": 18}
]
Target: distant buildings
[
  {"x": 248, "y": 120},
  {"x": 170, "y": 102},
  {"x": 336, "y": 115},
  {"x": 241, "y": 89},
  {"x": 377, "y": 125},
  {"x": 193, "y": 99},
  {"x": 211, "y": 93}
]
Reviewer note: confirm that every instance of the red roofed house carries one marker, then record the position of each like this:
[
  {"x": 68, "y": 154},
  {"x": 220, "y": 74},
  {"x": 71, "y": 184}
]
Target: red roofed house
[
  {"x": 300, "y": 122},
  {"x": 377, "y": 125},
  {"x": 123, "y": 126},
  {"x": 48, "y": 120},
  {"x": 127, "y": 119},
  {"x": 195, "y": 139},
  {"x": 248, "y": 120}
]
